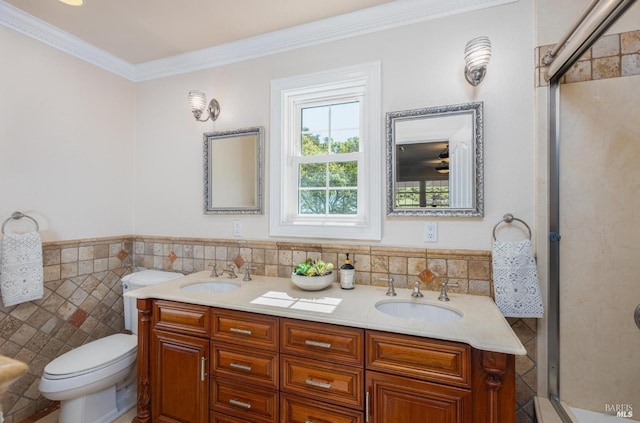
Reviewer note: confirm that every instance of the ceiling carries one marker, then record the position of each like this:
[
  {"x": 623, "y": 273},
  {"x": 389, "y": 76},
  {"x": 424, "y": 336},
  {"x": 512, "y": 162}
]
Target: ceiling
[{"x": 139, "y": 31}]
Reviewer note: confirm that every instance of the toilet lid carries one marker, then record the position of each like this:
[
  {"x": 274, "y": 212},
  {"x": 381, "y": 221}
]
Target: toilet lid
[{"x": 92, "y": 356}]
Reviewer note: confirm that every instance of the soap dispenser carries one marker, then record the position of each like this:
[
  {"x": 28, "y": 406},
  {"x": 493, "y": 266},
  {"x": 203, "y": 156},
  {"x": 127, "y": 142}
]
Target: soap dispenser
[{"x": 347, "y": 274}]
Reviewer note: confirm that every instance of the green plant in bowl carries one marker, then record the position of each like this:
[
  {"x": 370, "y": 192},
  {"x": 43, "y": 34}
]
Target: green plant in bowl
[
  {"x": 312, "y": 275},
  {"x": 311, "y": 267}
]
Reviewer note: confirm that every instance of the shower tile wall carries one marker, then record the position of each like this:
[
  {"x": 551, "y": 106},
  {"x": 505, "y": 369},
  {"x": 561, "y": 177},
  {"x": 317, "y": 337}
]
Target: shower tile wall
[
  {"x": 83, "y": 294},
  {"x": 612, "y": 56}
]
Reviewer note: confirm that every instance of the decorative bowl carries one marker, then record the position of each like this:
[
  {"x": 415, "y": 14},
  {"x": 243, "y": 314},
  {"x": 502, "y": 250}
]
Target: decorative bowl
[{"x": 312, "y": 283}]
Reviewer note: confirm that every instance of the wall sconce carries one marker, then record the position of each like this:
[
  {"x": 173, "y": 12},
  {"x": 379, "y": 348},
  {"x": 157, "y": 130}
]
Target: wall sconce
[
  {"x": 72, "y": 2},
  {"x": 198, "y": 103},
  {"x": 477, "y": 54}
]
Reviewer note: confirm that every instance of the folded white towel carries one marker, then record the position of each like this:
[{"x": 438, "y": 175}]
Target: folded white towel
[
  {"x": 515, "y": 279},
  {"x": 21, "y": 274}
]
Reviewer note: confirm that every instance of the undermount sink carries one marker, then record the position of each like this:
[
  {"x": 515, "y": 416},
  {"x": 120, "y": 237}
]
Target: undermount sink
[
  {"x": 210, "y": 287},
  {"x": 418, "y": 311}
]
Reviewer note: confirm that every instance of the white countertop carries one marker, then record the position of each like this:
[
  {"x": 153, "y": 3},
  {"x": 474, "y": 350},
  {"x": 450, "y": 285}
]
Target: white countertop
[{"x": 482, "y": 325}]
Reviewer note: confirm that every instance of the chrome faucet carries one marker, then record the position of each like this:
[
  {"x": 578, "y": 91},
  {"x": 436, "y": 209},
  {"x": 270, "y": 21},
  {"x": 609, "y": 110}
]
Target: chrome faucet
[
  {"x": 230, "y": 271},
  {"x": 247, "y": 275},
  {"x": 443, "y": 292},
  {"x": 391, "y": 292},
  {"x": 214, "y": 272},
  {"x": 416, "y": 290}
]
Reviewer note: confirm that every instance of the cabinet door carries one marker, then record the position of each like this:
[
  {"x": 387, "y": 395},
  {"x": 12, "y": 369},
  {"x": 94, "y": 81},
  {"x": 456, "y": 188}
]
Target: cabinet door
[
  {"x": 394, "y": 399},
  {"x": 180, "y": 379}
]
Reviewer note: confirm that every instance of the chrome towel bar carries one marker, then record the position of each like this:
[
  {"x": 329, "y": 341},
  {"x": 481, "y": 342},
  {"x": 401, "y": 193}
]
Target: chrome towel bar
[
  {"x": 508, "y": 218},
  {"x": 19, "y": 215}
]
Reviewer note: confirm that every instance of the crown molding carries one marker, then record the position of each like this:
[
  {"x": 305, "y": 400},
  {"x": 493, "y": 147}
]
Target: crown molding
[
  {"x": 24, "y": 23},
  {"x": 379, "y": 18}
]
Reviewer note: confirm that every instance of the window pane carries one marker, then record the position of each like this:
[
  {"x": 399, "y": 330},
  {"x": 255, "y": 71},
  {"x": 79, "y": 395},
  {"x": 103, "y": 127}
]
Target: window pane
[
  {"x": 315, "y": 119},
  {"x": 315, "y": 144},
  {"x": 343, "y": 174},
  {"x": 313, "y": 175},
  {"x": 312, "y": 202},
  {"x": 345, "y": 116},
  {"x": 343, "y": 201}
]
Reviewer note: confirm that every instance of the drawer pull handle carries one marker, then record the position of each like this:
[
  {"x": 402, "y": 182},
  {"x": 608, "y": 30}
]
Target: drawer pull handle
[
  {"x": 317, "y": 344},
  {"x": 240, "y": 331},
  {"x": 318, "y": 383},
  {"x": 240, "y": 403},
  {"x": 240, "y": 367}
]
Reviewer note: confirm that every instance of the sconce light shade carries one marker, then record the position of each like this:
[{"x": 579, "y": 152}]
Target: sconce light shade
[
  {"x": 477, "y": 54},
  {"x": 198, "y": 104}
]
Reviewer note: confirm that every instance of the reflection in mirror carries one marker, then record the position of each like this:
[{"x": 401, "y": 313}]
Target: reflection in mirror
[
  {"x": 233, "y": 171},
  {"x": 435, "y": 161}
]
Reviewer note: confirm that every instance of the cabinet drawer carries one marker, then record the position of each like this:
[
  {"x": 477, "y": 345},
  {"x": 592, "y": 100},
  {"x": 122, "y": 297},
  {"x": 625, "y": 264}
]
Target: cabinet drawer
[
  {"x": 246, "y": 365},
  {"x": 416, "y": 357},
  {"x": 215, "y": 417},
  {"x": 301, "y": 410},
  {"x": 245, "y": 402},
  {"x": 246, "y": 329},
  {"x": 182, "y": 318},
  {"x": 322, "y": 341},
  {"x": 330, "y": 382}
]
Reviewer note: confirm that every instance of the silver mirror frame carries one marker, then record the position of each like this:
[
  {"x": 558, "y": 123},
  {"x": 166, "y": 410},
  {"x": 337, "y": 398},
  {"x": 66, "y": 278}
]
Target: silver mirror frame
[
  {"x": 258, "y": 208},
  {"x": 476, "y": 110}
]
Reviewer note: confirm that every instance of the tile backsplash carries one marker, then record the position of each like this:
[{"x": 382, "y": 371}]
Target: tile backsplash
[{"x": 83, "y": 294}]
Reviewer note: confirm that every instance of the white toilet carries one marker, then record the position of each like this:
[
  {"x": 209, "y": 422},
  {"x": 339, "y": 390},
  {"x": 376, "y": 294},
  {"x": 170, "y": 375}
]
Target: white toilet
[{"x": 96, "y": 382}]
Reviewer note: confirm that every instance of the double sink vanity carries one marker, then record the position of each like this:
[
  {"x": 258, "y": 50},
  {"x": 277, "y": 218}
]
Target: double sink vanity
[{"x": 228, "y": 351}]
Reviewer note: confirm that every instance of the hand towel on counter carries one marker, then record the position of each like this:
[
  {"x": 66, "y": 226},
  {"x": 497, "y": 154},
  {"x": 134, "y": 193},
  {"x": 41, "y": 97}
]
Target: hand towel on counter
[
  {"x": 21, "y": 273},
  {"x": 515, "y": 279}
]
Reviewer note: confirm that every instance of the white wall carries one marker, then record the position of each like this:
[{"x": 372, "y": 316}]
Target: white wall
[
  {"x": 422, "y": 65},
  {"x": 66, "y": 142}
]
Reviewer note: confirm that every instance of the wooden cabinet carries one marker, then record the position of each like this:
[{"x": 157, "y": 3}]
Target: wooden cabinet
[
  {"x": 179, "y": 375},
  {"x": 199, "y": 364},
  {"x": 396, "y": 399},
  {"x": 245, "y": 366},
  {"x": 322, "y": 372}
]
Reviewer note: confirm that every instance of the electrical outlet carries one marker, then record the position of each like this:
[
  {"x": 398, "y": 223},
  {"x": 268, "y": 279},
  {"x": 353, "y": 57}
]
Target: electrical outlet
[
  {"x": 431, "y": 232},
  {"x": 237, "y": 228}
]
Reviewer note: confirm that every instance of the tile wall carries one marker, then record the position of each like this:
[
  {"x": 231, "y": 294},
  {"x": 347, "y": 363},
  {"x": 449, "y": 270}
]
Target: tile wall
[
  {"x": 82, "y": 302},
  {"x": 612, "y": 56},
  {"x": 83, "y": 294}
]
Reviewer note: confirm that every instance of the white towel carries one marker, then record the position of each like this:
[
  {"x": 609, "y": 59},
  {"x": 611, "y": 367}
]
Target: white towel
[
  {"x": 21, "y": 275},
  {"x": 515, "y": 279}
]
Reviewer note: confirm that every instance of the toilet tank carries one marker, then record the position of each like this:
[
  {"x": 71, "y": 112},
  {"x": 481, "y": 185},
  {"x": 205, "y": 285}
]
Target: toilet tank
[{"x": 137, "y": 280}]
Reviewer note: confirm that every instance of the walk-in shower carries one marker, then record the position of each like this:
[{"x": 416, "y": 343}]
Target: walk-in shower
[{"x": 588, "y": 184}]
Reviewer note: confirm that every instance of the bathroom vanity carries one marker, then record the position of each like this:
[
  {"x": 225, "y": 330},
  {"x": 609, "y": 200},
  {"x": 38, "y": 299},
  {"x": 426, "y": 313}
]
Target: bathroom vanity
[{"x": 268, "y": 352}]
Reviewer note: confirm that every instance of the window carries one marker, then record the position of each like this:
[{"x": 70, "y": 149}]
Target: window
[{"x": 325, "y": 166}]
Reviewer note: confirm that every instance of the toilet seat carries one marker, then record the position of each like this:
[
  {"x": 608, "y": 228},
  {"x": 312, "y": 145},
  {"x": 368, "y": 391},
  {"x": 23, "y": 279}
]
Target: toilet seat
[{"x": 92, "y": 357}]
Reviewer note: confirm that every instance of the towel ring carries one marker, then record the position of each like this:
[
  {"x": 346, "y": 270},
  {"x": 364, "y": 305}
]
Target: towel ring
[
  {"x": 508, "y": 218},
  {"x": 19, "y": 215}
]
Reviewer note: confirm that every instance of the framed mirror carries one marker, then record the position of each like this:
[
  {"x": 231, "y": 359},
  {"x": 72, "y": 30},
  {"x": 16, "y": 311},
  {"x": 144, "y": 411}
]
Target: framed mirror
[
  {"x": 233, "y": 171},
  {"x": 435, "y": 161}
]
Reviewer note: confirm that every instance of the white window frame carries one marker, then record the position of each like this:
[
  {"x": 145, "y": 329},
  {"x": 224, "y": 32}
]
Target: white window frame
[{"x": 288, "y": 96}]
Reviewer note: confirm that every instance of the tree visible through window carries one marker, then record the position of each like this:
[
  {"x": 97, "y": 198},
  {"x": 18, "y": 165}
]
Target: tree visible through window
[{"x": 328, "y": 160}]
